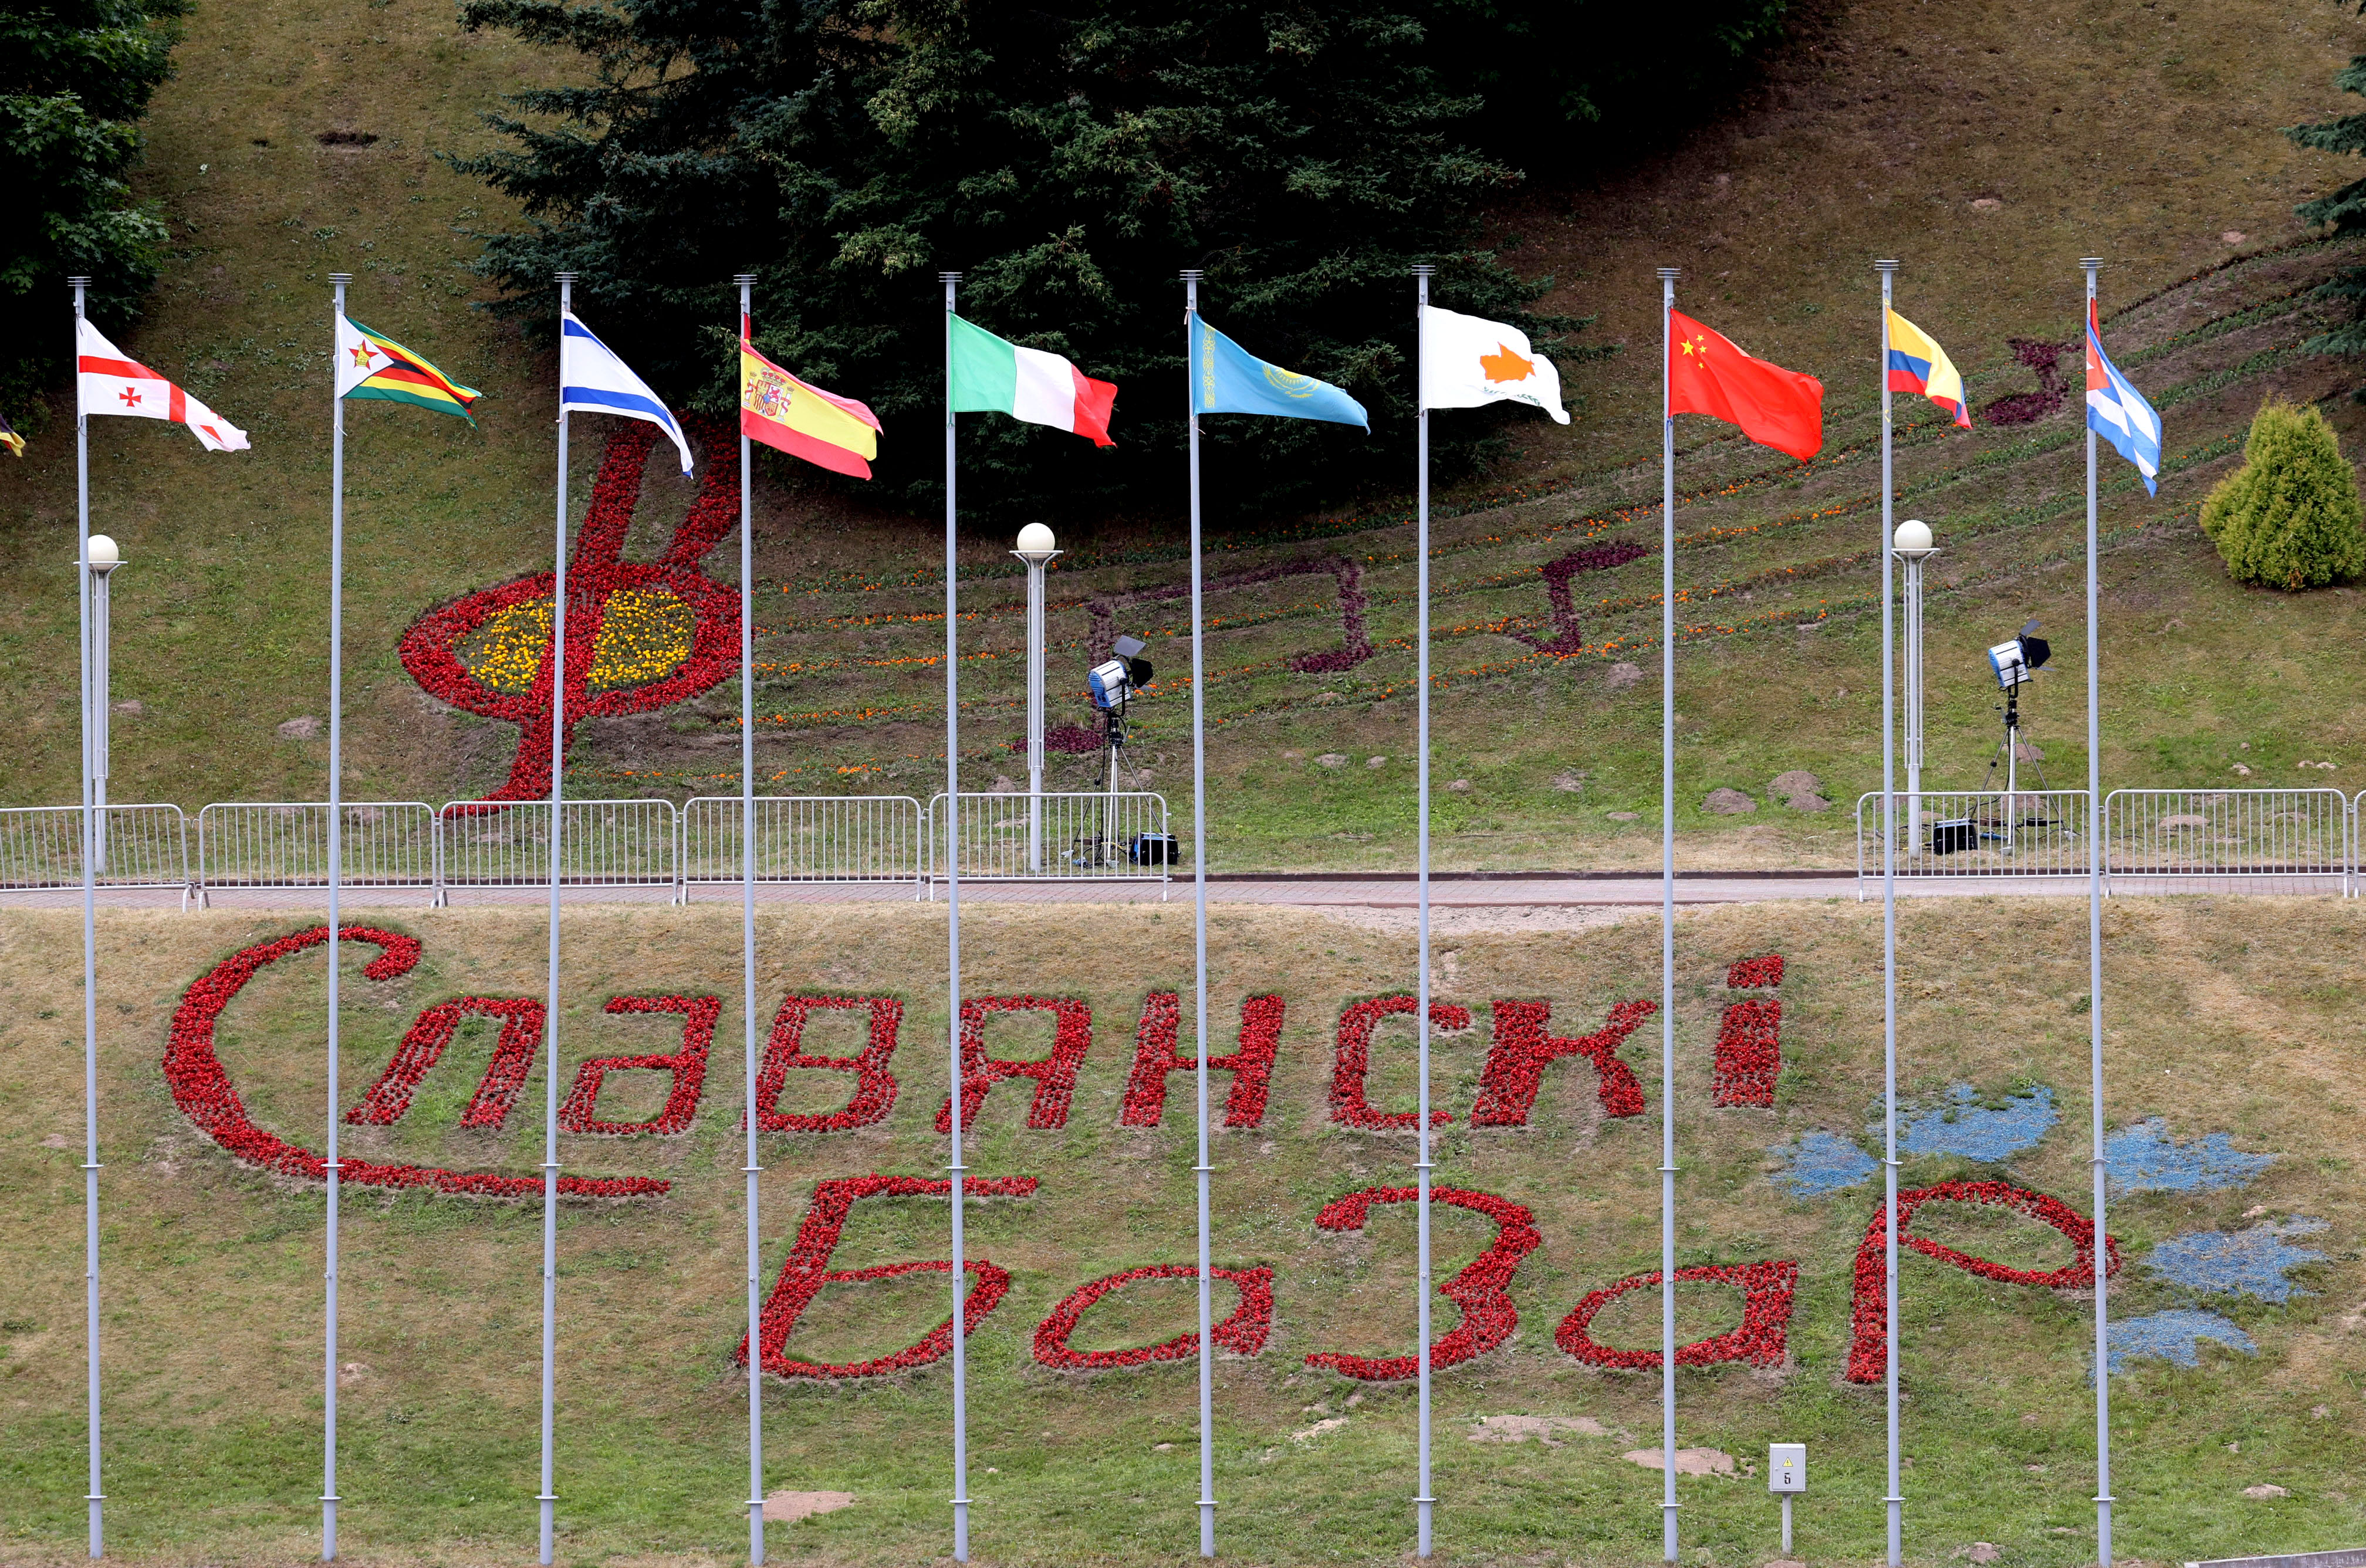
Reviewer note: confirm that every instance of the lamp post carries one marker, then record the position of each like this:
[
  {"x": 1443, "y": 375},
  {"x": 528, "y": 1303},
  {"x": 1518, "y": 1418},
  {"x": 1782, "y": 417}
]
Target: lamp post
[
  {"x": 1036, "y": 547},
  {"x": 104, "y": 557},
  {"x": 1911, "y": 544}
]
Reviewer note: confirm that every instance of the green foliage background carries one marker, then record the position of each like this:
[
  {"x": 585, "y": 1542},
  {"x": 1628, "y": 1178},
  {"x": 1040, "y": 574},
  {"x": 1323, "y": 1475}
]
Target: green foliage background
[
  {"x": 1068, "y": 159},
  {"x": 75, "y": 77},
  {"x": 2289, "y": 517}
]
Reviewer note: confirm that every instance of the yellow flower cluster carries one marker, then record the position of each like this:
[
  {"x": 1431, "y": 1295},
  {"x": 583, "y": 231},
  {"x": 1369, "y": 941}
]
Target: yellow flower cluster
[{"x": 644, "y": 635}]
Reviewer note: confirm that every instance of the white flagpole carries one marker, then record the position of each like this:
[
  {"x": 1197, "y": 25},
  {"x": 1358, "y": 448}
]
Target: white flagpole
[
  {"x": 329, "y": 1498},
  {"x": 1895, "y": 1500},
  {"x": 90, "y": 1167},
  {"x": 1425, "y": 1504},
  {"x": 952, "y": 280},
  {"x": 548, "y": 1498},
  {"x": 747, "y": 282},
  {"x": 1668, "y": 275},
  {"x": 2095, "y": 997},
  {"x": 1203, "y": 1170}
]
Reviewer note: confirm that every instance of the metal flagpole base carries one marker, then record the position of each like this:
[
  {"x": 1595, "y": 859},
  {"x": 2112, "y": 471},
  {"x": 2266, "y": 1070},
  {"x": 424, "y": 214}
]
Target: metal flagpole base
[
  {"x": 549, "y": 1501},
  {"x": 961, "y": 1529},
  {"x": 1896, "y": 1530},
  {"x": 1207, "y": 1527},
  {"x": 755, "y": 1530},
  {"x": 1426, "y": 1510},
  {"x": 1668, "y": 1521}
]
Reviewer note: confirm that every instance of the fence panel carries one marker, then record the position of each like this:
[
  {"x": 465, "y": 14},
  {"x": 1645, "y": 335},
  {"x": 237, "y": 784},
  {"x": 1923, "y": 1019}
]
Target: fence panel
[
  {"x": 139, "y": 846},
  {"x": 2199, "y": 836},
  {"x": 1976, "y": 833},
  {"x": 847, "y": 838},
  {"x": 604, "y": 843},
  {"x": 253, "y": 844},
  {"x": 1063, "y": 837}
]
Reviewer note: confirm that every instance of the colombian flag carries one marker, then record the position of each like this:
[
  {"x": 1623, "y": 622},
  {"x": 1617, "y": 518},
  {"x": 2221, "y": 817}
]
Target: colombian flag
[
  {"x": 371, "y": 365},
  {"x": 1919, "y": 364},
  {"x": 775, "y": 407}
]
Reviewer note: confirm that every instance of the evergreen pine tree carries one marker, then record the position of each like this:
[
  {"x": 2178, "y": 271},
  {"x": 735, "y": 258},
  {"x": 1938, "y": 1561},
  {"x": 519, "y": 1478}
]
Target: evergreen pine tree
[
  {"x": 1068, "y": 156},
  {"x": 75, "y": 76},
  {"x": 2342, "y": 212},
  {"x": 2290, "y": 516}
]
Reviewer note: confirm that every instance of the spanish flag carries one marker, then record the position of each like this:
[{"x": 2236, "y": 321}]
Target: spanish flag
[
  {"x": 372, "y": 365},
  {"x": 10, "y": 438},
  {"x": 1919, "y": 364},
  {"x": 775, "y": 407}
]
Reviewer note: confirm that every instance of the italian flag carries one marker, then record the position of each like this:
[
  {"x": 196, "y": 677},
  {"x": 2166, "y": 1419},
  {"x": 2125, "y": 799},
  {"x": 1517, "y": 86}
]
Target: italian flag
[{"x": 990, "y": 376}]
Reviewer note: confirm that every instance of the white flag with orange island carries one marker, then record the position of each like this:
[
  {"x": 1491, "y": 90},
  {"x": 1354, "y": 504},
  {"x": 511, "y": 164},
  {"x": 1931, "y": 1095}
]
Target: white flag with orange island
[
  {"x": 793, "y": 417},
  {"x": 1468, "y": 360}
]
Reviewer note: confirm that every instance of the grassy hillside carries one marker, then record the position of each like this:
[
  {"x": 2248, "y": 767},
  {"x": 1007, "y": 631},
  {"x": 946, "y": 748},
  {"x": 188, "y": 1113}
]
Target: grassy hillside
[
  {"x": 2234, "y": 1018},
  {"x": 1876, "y": 132}
]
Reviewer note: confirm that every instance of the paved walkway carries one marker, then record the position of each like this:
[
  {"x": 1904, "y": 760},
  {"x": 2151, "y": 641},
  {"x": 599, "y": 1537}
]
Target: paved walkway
[{"x": 1456, "y": 890}]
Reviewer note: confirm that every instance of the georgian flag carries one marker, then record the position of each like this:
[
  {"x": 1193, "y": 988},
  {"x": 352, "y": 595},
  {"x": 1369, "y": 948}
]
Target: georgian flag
[
  {"x": 110, "y": 381},
  {"x": 2117, "y": 412}
]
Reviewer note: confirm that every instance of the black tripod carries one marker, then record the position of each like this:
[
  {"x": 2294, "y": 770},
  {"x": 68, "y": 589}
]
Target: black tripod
[{"x": 2007, "y": 752}]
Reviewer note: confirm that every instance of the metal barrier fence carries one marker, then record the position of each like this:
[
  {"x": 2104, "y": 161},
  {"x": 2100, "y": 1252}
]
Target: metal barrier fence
[
  {"x": 805, "y": 838},
  {"x": 139, "y": 846},
  {"x": 604, "y": 843},
  {"x": 1065, "y": 837},
  {"x": 1976, "y": 833},
  {"x": 2305, "y": 836},
  {"x": 253, "y": 843}
]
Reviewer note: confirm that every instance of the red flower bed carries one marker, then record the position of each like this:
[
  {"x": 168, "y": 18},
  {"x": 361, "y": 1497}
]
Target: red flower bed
[
  {"x": 1483, "y": 1290},
  {"x": 807, "y": 1269},
  {"x": 1154, "y": 1057},
  {"x": 1522, "y": 1046},
  {"x": 874, "y": 1085},
  {"x": 1244, "y": 1333},
  {"x": 1352, "y": 1060},
  {"x": 580, "y": 1112},
  {"x": 1054, "y": 1076},
  {"x": 193, "y": 1071},
  {"x": 1747, "y": 974},
  {"x": 1749, "y": 1053},
  {"x": 1749, "y": 1040},
  {"x": 1868, "y": 1312},
  {"x": 423, "y": 1047},
  {"x": 1767, "y": 1291},
  {"x": 430, "y": 650}
]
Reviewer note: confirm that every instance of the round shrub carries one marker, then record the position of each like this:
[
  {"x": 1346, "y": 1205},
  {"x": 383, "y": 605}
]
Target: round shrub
[{"x": 2289, "y": 517}]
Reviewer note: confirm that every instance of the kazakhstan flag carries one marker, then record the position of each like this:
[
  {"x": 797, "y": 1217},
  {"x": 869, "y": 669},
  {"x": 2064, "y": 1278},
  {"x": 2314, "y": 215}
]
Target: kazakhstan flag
[{"x": 1227, "y": 378}]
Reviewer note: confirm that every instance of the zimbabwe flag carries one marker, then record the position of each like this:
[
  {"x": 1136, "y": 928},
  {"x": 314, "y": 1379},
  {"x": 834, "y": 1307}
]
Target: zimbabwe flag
[{"x": 371, "y": 365}]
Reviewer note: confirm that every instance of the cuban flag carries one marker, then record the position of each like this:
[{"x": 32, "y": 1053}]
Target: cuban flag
[
  {"x": 592, "y": 379},
  {"x": 2117, "y": 412}
]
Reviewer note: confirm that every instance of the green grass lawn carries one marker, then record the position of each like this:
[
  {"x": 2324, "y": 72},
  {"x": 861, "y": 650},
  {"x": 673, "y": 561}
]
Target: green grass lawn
[{"x": 2223, "y": 1016}]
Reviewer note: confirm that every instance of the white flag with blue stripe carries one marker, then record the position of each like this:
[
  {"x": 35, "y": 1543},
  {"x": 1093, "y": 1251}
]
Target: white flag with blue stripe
[
  {"x": 592, "y": 379},
  {"x": 2117, "y": 412}
]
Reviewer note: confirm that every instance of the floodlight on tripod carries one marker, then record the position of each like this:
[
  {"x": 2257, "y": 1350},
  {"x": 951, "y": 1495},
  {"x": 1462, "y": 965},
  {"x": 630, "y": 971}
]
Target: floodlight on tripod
[
  {"x": 2015, "y": 661},
  {"x": 1116, "y": 679}
]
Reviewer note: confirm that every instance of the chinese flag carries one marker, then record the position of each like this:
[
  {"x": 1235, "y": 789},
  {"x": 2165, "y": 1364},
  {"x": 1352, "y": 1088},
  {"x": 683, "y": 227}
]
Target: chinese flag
[{"x": 1777, "y": 407}]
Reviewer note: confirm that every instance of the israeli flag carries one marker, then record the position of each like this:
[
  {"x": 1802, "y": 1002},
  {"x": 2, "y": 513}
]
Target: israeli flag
[
  {"x": 1227, "y": 378},
  {"x": 2117, "y": 412},
  {"x": 592, "y": 379}
]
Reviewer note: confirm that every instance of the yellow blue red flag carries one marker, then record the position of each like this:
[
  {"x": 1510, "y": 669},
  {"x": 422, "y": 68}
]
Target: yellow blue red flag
[{"x": 1917, "y": 364}]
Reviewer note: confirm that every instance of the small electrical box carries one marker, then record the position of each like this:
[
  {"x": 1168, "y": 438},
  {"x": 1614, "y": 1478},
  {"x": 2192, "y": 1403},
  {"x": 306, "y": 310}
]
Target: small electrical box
[{"x": 1786, "y": 1467}]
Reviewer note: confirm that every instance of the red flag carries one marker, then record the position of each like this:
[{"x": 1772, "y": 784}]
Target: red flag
[{"x": 1777, "y": 407}]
